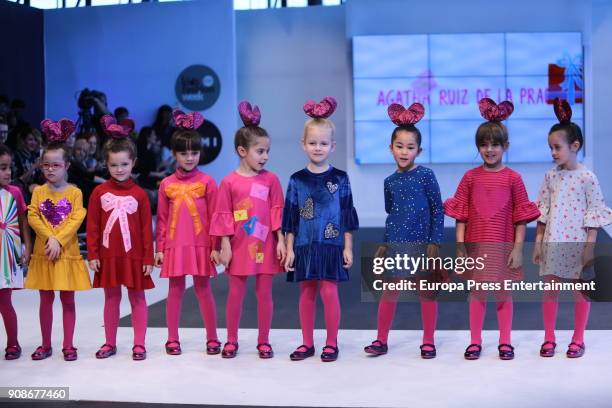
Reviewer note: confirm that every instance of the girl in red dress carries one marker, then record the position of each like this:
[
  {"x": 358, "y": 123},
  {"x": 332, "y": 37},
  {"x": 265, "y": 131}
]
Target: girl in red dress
[
  {"x": 120, "y": 240},
  {"x": 492, "y": 209}
]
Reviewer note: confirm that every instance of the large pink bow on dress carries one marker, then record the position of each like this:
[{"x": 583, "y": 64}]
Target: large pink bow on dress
[{"x": 120, "y": 206}]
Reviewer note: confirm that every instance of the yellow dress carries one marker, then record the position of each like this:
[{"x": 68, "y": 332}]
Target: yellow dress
[{"x": 59, "y": 215}]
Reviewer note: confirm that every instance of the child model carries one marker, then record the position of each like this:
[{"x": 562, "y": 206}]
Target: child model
[
  {"x": 319, "y": 218},
  {"x": 120, "y": 240},
  {"x": 248, "y": 218},
  {"x": 56, "y": 213},
  {"x": 492, "y": 208},
  {"x": 13, "y": 227},
  {"x": 415, "y": 220},
  {"x": 572, "y": 208},
  {"x": 186, "y": 200}
]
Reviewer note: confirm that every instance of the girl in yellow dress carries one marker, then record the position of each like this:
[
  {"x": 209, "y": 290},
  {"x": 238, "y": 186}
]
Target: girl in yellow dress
[{"x": 55, "y": 214}]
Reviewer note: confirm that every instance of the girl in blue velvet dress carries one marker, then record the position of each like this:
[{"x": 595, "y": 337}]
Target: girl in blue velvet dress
[
  {"x": 318, "y": 219},
  {"x": 414, "y": 225}
]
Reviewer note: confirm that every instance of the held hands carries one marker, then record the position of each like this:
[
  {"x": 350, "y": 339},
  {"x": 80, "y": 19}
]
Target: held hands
[
  {"x": 147, "y": 269},
  {"x": 94, "y": 265},
  {"x": 515, "y": 260},
  {"x": 159, "y": 259},
  {"x": 25, "y": 257},
  {"x": 281, "y": 252},
  {"x": 215, "y": 257},
  {"x": 52, "y": 249},
  {"x": 380, "y": 252},
  {"x": 536, "y": 257},
  {"x": 289, "y": 260}
]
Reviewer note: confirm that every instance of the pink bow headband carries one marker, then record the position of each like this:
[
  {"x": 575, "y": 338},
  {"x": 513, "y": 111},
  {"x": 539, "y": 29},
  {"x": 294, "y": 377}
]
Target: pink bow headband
[
  {"x": 402, "y": 116},
  {"x": 184, "y": 120},
  {"x": 114, "y": 129},
  {"x": 494, "y": 112},
  {"x": 321, "y": 110},
  {"x": 58, "y": 131},
  {"x": 250, "y": 116}
]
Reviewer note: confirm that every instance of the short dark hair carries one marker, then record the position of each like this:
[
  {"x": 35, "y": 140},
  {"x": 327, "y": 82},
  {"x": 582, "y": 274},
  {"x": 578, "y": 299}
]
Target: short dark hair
[
  {"x": 186, "y": 139},
  {"x": 4, "y": 150},
  {"x": 121, "y": 110},
  {"x": 407, "y": 128},
  {"x": 572, "y": 132},
  {"x": 58, "y": 146},
  {"x": 493, "y": 131}
]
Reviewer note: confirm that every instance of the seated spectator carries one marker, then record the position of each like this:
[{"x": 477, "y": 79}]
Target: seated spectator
[
  {"x": 78, "y": 173},
  {"x": 4, "y": 131},
  {"x": 27, "y": 160},
  {"x": 163, "y": 125},
  {"x": 148, "y": 162}
]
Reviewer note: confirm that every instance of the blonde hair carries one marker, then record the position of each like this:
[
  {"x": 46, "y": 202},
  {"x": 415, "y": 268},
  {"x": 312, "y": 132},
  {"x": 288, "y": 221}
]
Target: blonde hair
[{"x": 319, "y": 122}]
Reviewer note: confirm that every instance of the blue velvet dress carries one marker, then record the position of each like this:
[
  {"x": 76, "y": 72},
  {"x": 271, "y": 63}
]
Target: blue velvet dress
[
  {"x": 415, "y": 213},
  {"x": 318, "y": 211}
]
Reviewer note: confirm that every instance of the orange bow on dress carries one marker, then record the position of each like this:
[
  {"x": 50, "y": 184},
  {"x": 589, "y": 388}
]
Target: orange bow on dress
[{"x": 187, "y": 193}]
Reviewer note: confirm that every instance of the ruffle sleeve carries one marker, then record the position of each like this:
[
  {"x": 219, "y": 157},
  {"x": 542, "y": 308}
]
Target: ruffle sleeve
[
  {"x": 348, "y": 215},
  {"x": 458, "y": 206},
  {"x": 291, "y": 211},
  {"x": 597, "y": 214},
  {"x": 523, "y": 209},
  {"x": 222, "y": 220},
  {"x": 543, "y": 201}
]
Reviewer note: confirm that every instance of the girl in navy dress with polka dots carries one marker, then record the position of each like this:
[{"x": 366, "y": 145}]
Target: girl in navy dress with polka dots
[{"x": 414, "y": 225}]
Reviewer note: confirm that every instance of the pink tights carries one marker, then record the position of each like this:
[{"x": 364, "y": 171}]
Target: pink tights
[
  {"x": 112, "y": 300},
  {"x": 46, "y": 316},
  {"x": 331, "y": 304},
  {"x": 9, "y": 316}
]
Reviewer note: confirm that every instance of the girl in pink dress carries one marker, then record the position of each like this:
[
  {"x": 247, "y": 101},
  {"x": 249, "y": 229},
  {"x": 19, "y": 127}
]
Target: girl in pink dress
[
  {"x": 492, "y": 209},
  {"x": 248, "y": 217},
  {"x": 573, "y": 209},
  {"x": 186, "y": 200}
]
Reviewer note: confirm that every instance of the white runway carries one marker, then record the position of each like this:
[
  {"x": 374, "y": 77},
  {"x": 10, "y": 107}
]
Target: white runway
[{"x": 399, "y": 379}]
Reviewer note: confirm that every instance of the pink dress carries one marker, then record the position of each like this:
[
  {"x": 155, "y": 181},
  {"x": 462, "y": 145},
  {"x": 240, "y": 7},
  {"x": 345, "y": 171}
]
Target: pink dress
[
  {"x": 185, "y": 205},
  {"x": 250, "y": 209},
  {"x": 491, "y": 203}
]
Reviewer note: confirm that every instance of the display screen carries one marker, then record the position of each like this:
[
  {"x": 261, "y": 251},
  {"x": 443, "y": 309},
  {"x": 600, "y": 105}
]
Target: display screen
[{"x": 449, "y": 74}]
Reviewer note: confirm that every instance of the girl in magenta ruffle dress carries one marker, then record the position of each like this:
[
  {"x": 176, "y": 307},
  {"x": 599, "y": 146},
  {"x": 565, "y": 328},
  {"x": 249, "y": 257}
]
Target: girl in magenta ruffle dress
[
  {"x": 492, "y": 209},
  {"x": 248, "y": 217},
  {"x": 186, "y": 200}
]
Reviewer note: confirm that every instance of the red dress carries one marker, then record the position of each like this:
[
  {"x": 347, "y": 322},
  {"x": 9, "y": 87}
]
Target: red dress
[
  {"x": 120, "y": 235},
  {"x": 491, "y": 203}
]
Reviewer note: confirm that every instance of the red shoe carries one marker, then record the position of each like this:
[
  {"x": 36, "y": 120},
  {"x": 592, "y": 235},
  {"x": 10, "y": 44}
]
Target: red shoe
[
  {"x": 227, "y": 352},
  {"x": 41, "y": 353},
  {"x": 213, "y": 347},
  {"x": 263, "y": 353},
  {"x": 105, "y": 351},
  {"x": 173, "y": 350},
  {"x": 548, "y": 351},
  {"x": 12, "y": 352},
  {"x": 139, "y": 355},
  {"x": 575, "y": 352},
  {"x": 70, "y": 353}
]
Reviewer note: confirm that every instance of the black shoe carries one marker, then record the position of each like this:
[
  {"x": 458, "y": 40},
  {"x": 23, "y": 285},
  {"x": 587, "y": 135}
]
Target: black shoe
[
  {"x": 506, "y": 354},
  {"x": 576, "y": 352},
  {"x": 428, "y": 354},
  {"x": 228, "y": 352},
  {"x": 327, "y": 356},
  {"x": 377, "y": 348},
  {"x": 263, "y": 353},
  {"x": 298, "y": 355},
  {"x": 548, "y": 351},
  {"x": 472, "y": 354}
]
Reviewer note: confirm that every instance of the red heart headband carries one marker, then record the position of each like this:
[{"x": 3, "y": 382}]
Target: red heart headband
[
  {"x": 402, "y": 116},
  {"x": 58, "y": 131},
  {"x": 563, "y": 110},
  {"x": 494, "y": 112},
  {"x": 251, "y": 116},
  {"x": 184, "y": 120},
  {"x": 114, "y": 129},
  {"x": 323, "y": 109}
]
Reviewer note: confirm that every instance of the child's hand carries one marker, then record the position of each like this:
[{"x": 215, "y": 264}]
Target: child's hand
[
  {"x": 588, "y": 254},
  {"x": 433, "y": 251},
  {"x": 94, "y": 265},
  {"x": 159, "y": 259},
  {"x": 281, "y": 252},
  {"x": 25, "y": 257},
  {"x": 52, "y": 249},
  {"x": 515, "y": 260},
  {"x": 215, "y": 257},
  {"x": 289, "y": 260},
  {"x": 226, "y": 256},
  {"x": 147, "y": 269},
  {"x": 347, "y": 254},
  {"x": 536, "y": 257},
  {"x": 461, "y": 250},
  {"x": 380, "y": 252}
]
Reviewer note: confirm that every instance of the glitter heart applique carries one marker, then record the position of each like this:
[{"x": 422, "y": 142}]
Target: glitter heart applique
[
  {"x": 307, "y": 211},
  {"x": 331, "y": 231},
  {"x": 55, "y": 213},
  {"x": 332, "y": 187}
]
